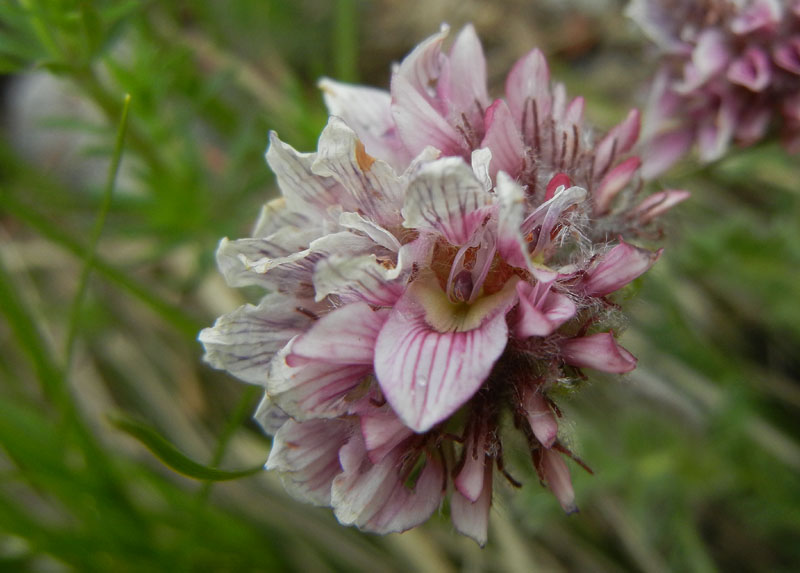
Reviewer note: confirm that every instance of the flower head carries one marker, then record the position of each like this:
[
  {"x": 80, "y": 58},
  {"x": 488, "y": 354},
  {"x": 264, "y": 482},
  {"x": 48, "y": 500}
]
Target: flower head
[
  {"x": 437, "y": 270},
  {"x": 730, "y": 70}
]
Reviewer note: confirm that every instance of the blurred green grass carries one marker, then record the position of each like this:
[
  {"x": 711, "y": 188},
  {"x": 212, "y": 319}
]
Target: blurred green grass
[{"x": 696, "y": 454}]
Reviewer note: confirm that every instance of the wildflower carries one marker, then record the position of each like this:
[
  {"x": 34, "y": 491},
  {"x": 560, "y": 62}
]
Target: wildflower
[
  {"x": 437, "y": 270},
  {"x": 730, "y": 71}
]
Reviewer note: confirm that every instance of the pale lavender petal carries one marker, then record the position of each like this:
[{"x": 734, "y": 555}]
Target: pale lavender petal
[
  {"x": 617, "y": 142},
  {"x": 372, "y": 186},
  {"x": 345, "y": 336},
  {"x": 599, "y": 351},
  {"x": 710, "y": 56},
  {"x": 302, "y": 189},
  {"x": 472, "y": 518},
  {"x": 615, "y": 181},
  {"x": 421, "y": 68},
  {"x": 244, "y": 341},
  {"x": 664, "y": 150},
  {"x": 760, "y": 15},
  {"x": 752, "y": 70},
  {"x": 541, "y": 417},
  {"x": 377, "y": 233},
  {"x": 659, "y": 203},
  {"x": 618, "y": 267},
  {"x": 528, "y": 92},
  {"x": 503, "y": 139},
  {"x": 358, "y": 278},
  {"x": 541, "y": 314},
  {"x": 427, "y": 375},
  {"x": 314, "y": 390},
  {"x": 510, "y": 243},
  {"x": 275, "y": 216},
  {"x": 445, "y": 196},
  {"x": 787, "y": 55},
  {"x": 556, "y": 475},
  {"x": 270, "y": 416},
  {"x": 465, "y": 87},
  {"x": 374, "y": 497},
  {"x": 307, "y": 456},
  {"x": 368, "y": 111},
  {"x": 382, "y": 431},
  {"x": 420, "y": 125},
  {"x": 470, "y": 479},
  {"x": 716, "y": 131}
]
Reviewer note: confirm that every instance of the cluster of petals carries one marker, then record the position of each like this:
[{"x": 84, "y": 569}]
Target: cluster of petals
[
  {"x": 730, "y": 72},
  {"x": 437, "y": 269}
]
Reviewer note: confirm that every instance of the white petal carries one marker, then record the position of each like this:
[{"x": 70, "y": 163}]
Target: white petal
[
  {"x": 359, "y": 278},
  {"x": 445, "y": 196}
]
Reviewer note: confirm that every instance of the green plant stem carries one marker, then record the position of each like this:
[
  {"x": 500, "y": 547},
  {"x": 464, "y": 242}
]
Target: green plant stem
[{"x": 94, "y": 238}]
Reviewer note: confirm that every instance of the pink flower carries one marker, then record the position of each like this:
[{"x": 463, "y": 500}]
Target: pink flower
[
  {"x": 440, "y": 262},
  {"x": 728, "y": 72}
]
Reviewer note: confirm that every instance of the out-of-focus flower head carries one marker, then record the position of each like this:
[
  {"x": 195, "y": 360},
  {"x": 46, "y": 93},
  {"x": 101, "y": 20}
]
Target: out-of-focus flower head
[
  {"x": 730, "y": 72},
  {"x": 438, "y": 271}
]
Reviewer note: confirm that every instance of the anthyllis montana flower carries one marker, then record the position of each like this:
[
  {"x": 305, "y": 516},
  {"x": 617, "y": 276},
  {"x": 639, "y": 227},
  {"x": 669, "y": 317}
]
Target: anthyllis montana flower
[
  {"x": 436, "y": 272},
  {"x": 730, "y": 72}
]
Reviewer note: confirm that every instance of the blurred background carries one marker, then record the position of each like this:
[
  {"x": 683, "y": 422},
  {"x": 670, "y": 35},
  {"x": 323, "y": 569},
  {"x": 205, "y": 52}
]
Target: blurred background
[{"x": 103, "y": 392}]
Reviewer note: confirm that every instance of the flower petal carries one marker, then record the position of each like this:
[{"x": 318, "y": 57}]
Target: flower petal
[
  {"x": 368, "y": 111},
  {"x": 313, "y": 390},
  {"x": 374, "y": 497},
  {"x": 510, "y": 242},
  {"x": 541, "y": 314},
  {"x": 463, "y": 82},
  {"x": 753, "y": 70},
  {"x": 307, "y": 456},
  {"x": 555, "y": 473},
  {"x": 503, "y": 139},
  {"x": 599, "y": 351},
  {"x": 540, "y": 416},
  {"x": 472, "y": 518},
  {"x": 382, "y": 431},
  {"x": 618, "y": 267},
  {"x": 615, "y": 181},
  {"x": 659, "y": 203},
  {"x": 616, "y": 142},
  {"x": 357, "y": 278},
  {"x": 664, "y": 150},
  {"x": 270, "y": 416},
  {"x": 244, "y": 341},
  {"x": 345, "y": 336},
  {"x": 427, "y": 375},
  {"x": 445, "y": 196},
  {"x": 528, "y": 93}
]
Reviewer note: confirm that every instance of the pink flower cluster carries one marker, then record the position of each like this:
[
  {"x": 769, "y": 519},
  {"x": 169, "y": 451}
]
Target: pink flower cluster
[
  {"x": 436, "y": 271},
  {"x": 730, "y": 72}
]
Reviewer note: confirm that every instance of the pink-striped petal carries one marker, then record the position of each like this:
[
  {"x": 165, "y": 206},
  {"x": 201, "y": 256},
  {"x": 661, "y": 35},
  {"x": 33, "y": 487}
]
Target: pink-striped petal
[
  {"x": 426, "y": 374},
  {"x": 307, "y": 456},
  {"x": 382, "y": 431},
  {"x": 599, "y": 351},
  {"x": 345, "y": 336},
  {"x": 445, "y": 196},
  {"x": 469, "y": 517},
  {"x": 618, "y": 267},
  {"x": 503, "y": 139},
  {"x": 541, "y": 311}
]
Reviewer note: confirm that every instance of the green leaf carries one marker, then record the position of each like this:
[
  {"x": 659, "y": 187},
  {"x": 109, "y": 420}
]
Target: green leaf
[{"x": 172, "y": 457}]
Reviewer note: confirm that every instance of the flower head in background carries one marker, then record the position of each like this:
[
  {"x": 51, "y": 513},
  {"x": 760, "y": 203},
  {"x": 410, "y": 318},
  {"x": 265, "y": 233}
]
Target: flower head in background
[
  {"x": 437, "y": 271},
  {"x": 730, "y": 72}
]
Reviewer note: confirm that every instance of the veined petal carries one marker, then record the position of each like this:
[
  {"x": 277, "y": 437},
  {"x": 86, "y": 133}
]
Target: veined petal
[
  {"x": 244, "y": 341},
  {"x": 753, "y": 70},
  {"x": 503, "y": 139},
  {"x": 372, "y": 186},
  {"x": 374, "y": 231},
  {"x": 615, "y": 181},
  {"x": 618, "y": 267},
  {"x": 345, "y": 336},
  {"x": 373, "y": 496},
  {"x": 541, "y": 314},
  {"x": 302, "y": 189},
  {"x": 510, "y": 242},
  {"x": 307, "y": 456},
  {"x": 540, "y": 416},
  {"x": 382, "y": 431},
  {"x": 659, "y": 203},
  {"x": 471, "y": 518},
  {"x": 419, "y": 124},
  {"x": 269, "y": 415},
  {"x": 617, "y": 142},
  {"x": 427, "y": 374},
  {"x": 555, "y": 473},
  {"x": 313, "y": 390},
  {"x": 275, "y": 216},
  {"x": 599, "y": 351},
  {"x": 368, "y": 111},
  {"x": 421, "y": 68},
  {"x": 360, "y": 278},
  {"x": 464, "y": 87},
  {"x": 445, "y": 196},
  {"x": 528, "y": 91}
]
